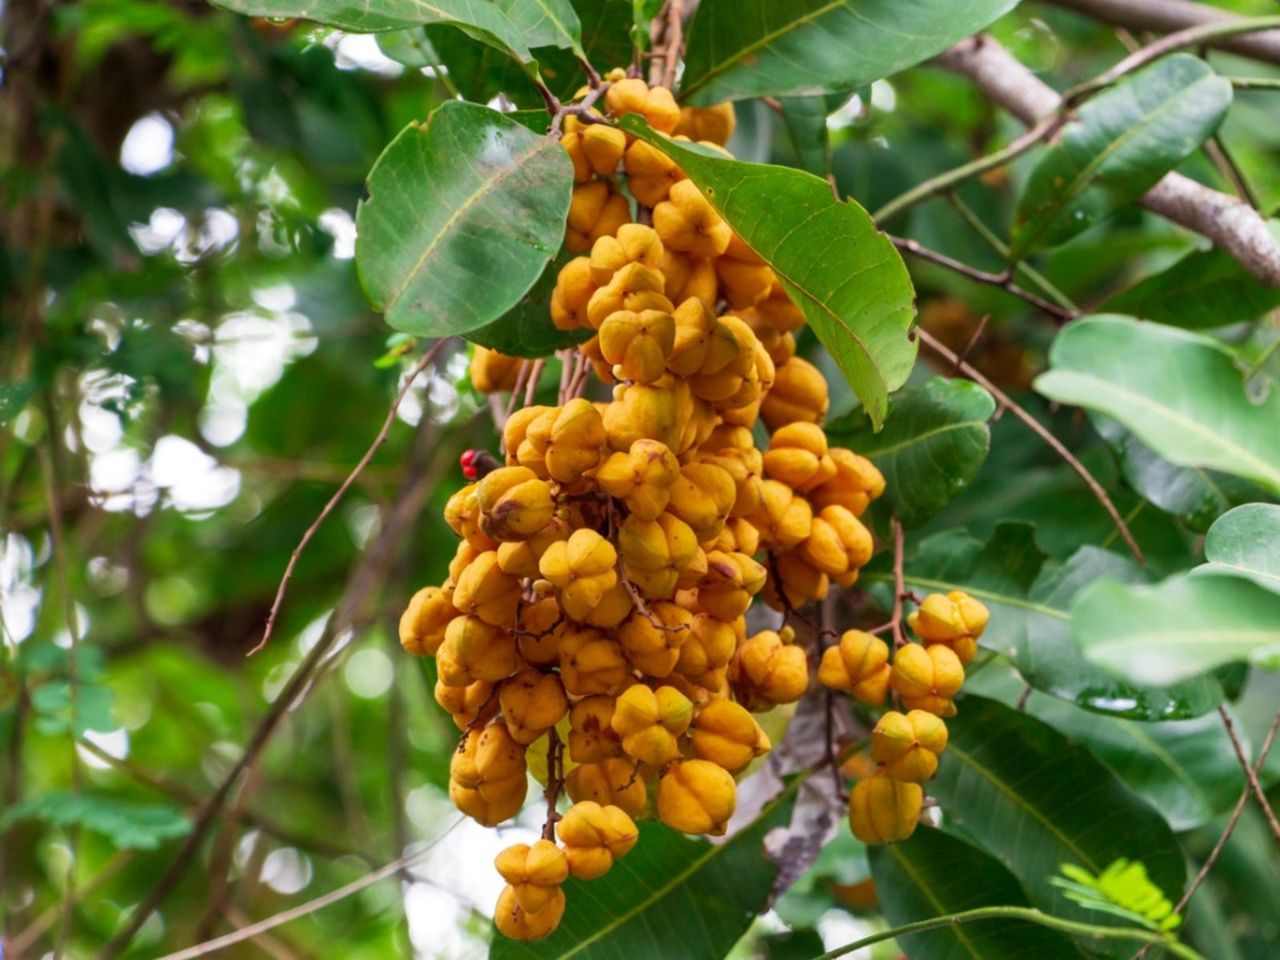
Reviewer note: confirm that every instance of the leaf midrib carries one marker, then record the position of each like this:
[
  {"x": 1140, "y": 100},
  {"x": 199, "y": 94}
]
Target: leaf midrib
[
  {"x": 1074, "y": 187},
  {"x": 1177, "y": 419},
  {"x": 939, "y": 907},
  {"x": 763, "y": 41},
  {"x": 487, "y": 186},
  {"x": 922, "y": 437}
]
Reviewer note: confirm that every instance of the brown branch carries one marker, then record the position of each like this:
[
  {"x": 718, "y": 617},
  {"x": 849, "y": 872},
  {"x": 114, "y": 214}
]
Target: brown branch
[
  {"x": 1002, "y": 280},
  {"x": 1230, "y": 223},
  {"x": 668, "y": 43},
  {"x": 1259, "y": 794},
  {"x": 311, "y": 906},
  {"x": 555, "y": 783},
  {"x": 364, "y": 579},
  {"x": 1218, "y": 847},
  {"x": 427, "y": 359},
  {"x": 1167, "y": 16},
  {"x": 1036, "y": 427}
]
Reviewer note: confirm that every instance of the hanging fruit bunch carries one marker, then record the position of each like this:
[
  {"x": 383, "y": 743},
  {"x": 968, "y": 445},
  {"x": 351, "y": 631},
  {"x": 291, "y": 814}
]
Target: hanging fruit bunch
[{"x": 593, "y": 621}]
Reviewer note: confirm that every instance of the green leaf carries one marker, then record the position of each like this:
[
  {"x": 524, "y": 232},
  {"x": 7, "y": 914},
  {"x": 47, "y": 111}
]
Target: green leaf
[
  {"x": 1037, "y": 800},
  {"x": 1030, "y": 603},
  {"x": 526, "y": 329},
  {"x": 1246, "y": 541},
  {"x": 462, "y": 217},
  {"x": 1124, "y": 889},
  {"x": 1195, "y": 495},
  {"x": 128, "y": 825},
  {"x": 934, "y": 873},
  {"x": 514, "y": 26},
  {"x": 671, "y": 896},
  {"x": 932, "y": 444},
  {"x": 1180, "y": 392},
  {"x": 805, "y": 121},
  {"x": 753, "y": 48},
  {"x": 1177, "y": 629},
  {"x": 835, "y": 265},
  {"x": 1184, "y": 768},
  {"x": 1205, "y": 289},
  {"x": 1121, "y": 143}
]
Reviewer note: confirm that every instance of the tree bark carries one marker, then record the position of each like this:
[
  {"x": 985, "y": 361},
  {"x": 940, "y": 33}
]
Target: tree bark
[{"x": 1230, "y": 223}]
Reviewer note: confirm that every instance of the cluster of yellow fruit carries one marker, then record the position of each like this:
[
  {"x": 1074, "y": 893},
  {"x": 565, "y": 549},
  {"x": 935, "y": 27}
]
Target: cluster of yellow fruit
[
  {"x": 593, "y": 623},
  {"x": 925, "y": 678}
]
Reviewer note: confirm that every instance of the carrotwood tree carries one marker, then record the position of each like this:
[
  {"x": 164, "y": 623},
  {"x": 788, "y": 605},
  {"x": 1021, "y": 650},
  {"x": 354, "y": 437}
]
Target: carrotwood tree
[{"x": 846, "y": 431}]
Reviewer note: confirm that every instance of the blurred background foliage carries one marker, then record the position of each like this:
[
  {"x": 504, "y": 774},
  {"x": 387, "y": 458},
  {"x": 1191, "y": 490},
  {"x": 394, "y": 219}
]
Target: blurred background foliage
[{"x": 190, "y": 369}]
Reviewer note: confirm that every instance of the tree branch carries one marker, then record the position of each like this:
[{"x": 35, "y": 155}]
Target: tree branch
[
  {"x": 1009, "y": 404},
  {"x": 1002, "y": 280},
  {"x": 1166, "y": 16},
  {"x": 1229, "y": 222},
  {"x": 1259, "y": 794}
]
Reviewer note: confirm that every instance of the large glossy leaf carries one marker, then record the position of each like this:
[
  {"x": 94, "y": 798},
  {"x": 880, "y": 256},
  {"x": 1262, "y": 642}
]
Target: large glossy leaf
[
  {"x": 1030, "y": 602},
  {"x": 1205, "y": 289},
  {"x": 1121, "y": 143},
  {"x": 1179, "y": 628},
  {"x": 1195, "y": 495},
  {"x": 1036, "y": 800},
  {"x": 462, "y": 217},
  {"x": 526, "y": 329},
  {"x": 933, "y": 442},
  {"x": 934, "y": 873},
  {"x": 838, "y": 268},
  {"x": 671, "y": 896},
  {"x": 752, "y": 48},
  {"x": 1180, "y": 392},
  {"x": 805, "y": 121},
  {"x": 1246, "y": 541},
  {"x": 514, "y": 26},
  {"x": 1186, "y": 769}
]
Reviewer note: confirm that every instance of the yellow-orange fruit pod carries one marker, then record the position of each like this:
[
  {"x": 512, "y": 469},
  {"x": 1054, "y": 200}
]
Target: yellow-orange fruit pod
[
  {"x": 907, "y": 745},
  {"x": 595, "y": 211},
  {"x": 655, "y": 104},
  {"x": 484, "y": 591},
  {"x": 591, "y": 662},
  {"x": 488, "y": 778},
  {"x": 423, "y": 623},
  {"x": 641, "y": 477},
  {"x": 638, "y": 344},
  {"x": 715, "y": 123},
  {"x": 727, "y": 735},
  {"x": 768, "y": 671},
  {"x": 799, "y": 393},
  {"x": 687, "y": 223},
  {"x": 652, "y": 643},
  {"x": 582, "y": 568},
  {"x": 535, "y": 872},
  {"x": 858, "y": 665},
  {"x": 474, "y": 650},
  {"x": 649, "y": 722},
  {"x": 591, "y": 736},
  {"x": 613, "y": 780},
  {"x": 493, "y": 372},
  {"x": 573, "y": 290},
  {"x": 857, "y": 482},
  {"x": 532, "y": 703},
  {"x": 797, "y": 456},
  {"x": 954, "y": 619},
  {"x": 927, "y": 678},
  {"x": 883, "y": 810},
  {"x": 594, "y": 837},
  {"x": 514, "y": 503},
  {"x": 513, "y": 921},
  {"x": 576, "y": 442},
  {"x": 696, "y": 796},
  {"x": 634, "y": 243}
]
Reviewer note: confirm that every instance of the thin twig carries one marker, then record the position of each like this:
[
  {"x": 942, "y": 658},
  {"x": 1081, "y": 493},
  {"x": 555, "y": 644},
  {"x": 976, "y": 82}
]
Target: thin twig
[
  {"x": 1190, "y": 37},
  {"x": 1043, "y": 130},
  {"x": 1218, "y": 847},
  {"x": 555, "y": 783},
  {"x": 311, "y": 906},
  {"x": 1036, "y": 427},
  {"x": 1255, "y": 83},
  {"x": 1259, "y": 794},
  {"x": 426, "y": 361},
  {"x": 365, "y": 578},
  {"x": 1002, "y": 280},
  {"x": 1217, "y": 150}
]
